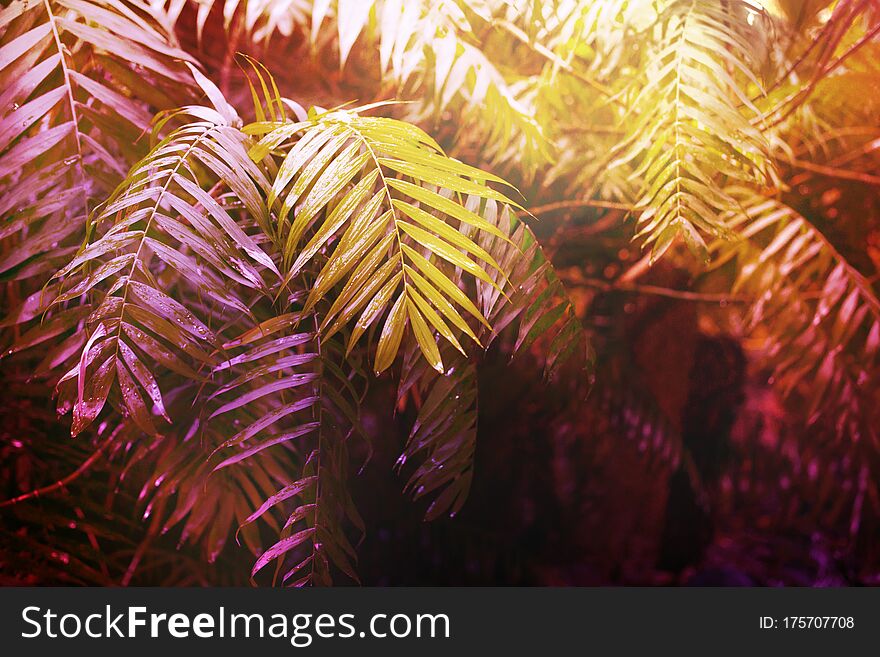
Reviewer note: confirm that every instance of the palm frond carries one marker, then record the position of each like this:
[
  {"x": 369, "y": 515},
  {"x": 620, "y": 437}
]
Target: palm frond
[
  {"x": 538, "y": 305},
  {"x": 688, "y": 126},
  {"x": 81, "y": 80},
  {"x": 260, "y": 19},
  {"x": 821, "y": 315},
  {"x": 296, "y": 391},
  {"x": 435, "y": 48},
  {"x": 391, "y": 231},
  {"x": 162, "y": 212},
  {"x": 444, "y": 434}
]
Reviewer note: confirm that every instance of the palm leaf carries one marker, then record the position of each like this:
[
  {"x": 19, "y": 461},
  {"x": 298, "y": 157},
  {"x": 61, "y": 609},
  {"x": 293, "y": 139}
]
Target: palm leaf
[
  {"x": 443, "y": 437},
  {"x": 538, "y": 306},
  {"x": 822, "y": 313},
  {"x": 386, "y": 198},
  {"x": 81, "y": 79},
  {"x": 689, "y": 126},
  {"x": 297, "y": 391},
  {"x": 162, "y": 211}
]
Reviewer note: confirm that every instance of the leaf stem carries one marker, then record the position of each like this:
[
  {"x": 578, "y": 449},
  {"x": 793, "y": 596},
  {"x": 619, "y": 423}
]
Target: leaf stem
[{"x": 61, "y": 483}]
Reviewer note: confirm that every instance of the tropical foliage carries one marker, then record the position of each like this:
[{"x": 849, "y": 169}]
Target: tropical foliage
[{"x": 224, "y": 222}]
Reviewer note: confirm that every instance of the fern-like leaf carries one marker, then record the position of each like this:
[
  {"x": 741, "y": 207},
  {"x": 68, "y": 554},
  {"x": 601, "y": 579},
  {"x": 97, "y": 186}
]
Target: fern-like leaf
[
  {"x": 688, "y": 126},
  {"x": 822, "y": 313},
  {"x": 444, "y": 434},
  {"x": 163, "y": 212},
  {"x": 400, "y": 218},
  {"x": 81, "y": 81}
]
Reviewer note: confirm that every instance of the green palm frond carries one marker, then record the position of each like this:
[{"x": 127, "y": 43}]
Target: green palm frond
[
  {"x": 538, "y": 305},
  {"x": 443, "y": 437},
  {"x": 315, "y": 532},
  {"x": 260, "y": 19},
  {"x": 183, "y": 493},
  {"x": 267, "y": 379},
  {"x": 427, "y": 49},
  {"x": 688, "y": 127},
  {"x": 393, "y": 231},
  {"x": 214, "y": 257}
]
